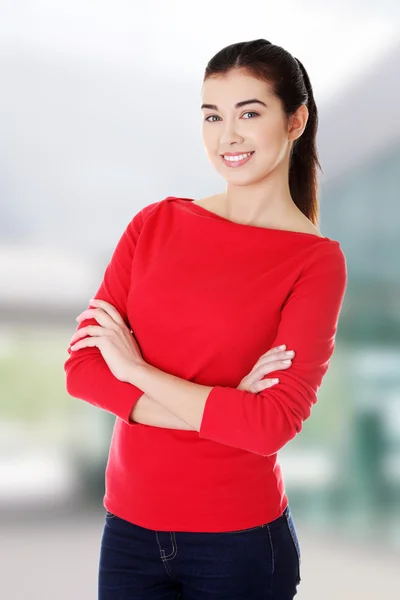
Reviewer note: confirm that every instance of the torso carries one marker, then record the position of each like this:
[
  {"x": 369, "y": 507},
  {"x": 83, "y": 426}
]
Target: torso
[{"x": 300, "y": 223}]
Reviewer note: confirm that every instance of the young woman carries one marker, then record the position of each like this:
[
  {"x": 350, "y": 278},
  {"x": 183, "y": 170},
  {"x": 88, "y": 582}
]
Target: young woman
[{"x": 198, "y": 304}]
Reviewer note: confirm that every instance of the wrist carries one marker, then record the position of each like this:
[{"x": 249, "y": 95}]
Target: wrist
[{"x": 136, "y": 371}]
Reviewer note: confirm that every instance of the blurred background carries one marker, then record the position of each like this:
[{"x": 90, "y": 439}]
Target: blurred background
[{"x": 100, "y": 116}]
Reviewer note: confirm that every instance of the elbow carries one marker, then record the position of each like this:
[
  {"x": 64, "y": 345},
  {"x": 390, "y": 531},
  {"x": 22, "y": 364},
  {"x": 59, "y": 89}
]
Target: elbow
[
  {"x": 78, "y": 386},
  {"x": 71, "y": 382},
  {"x": 284, "y": 411},
  {"x": 73, "y": 375},
  {"x": 269, "y": 447}
]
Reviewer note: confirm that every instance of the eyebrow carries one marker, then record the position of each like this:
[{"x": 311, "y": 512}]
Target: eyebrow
[{"x": 237, "y": 105}]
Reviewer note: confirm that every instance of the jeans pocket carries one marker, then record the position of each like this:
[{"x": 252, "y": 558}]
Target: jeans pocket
[{"x": 293, "y": 535}]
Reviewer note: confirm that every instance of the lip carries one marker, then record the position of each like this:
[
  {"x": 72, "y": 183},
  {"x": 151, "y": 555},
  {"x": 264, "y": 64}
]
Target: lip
[
  {"x": 237, "y": 163},
  {"x": 236, "y": 153}
]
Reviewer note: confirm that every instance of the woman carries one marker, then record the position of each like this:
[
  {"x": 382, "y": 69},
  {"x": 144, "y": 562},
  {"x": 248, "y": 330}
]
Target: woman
[{"x": 197, "y": 305}]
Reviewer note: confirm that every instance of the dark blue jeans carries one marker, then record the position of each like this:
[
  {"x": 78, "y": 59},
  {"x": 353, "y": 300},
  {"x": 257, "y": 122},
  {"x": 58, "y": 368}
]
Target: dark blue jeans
[{"x": 261, "y": 563}]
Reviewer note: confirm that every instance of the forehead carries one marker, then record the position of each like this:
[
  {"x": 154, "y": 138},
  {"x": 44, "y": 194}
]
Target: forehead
[{"x": 235, "y": 86}]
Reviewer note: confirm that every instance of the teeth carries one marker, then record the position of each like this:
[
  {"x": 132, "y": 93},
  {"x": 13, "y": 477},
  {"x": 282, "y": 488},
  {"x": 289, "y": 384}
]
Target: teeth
[{"x": 236, "y": 158}]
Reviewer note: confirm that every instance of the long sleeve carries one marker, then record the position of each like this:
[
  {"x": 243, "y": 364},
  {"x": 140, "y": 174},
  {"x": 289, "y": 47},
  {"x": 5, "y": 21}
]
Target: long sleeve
[
  {"x": 88, "y": 376},
  {"x": 263, "y": 423}
]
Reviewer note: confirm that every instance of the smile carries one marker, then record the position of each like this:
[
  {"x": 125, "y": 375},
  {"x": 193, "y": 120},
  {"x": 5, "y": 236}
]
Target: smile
[{"x": 237, "y": 161}]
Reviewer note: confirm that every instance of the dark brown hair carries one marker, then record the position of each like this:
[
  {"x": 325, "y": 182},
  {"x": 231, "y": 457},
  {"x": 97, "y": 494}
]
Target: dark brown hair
[{"x": 290, "y": 83}]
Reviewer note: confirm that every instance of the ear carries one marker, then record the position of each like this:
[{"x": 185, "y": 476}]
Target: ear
[{"x": 298, "y": 122}]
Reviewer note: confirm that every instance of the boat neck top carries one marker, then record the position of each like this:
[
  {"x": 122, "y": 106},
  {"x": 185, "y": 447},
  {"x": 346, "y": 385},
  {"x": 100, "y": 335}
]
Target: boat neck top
[
  {"x": 205, "y": 211},
  {"x": 205, "y": 297}
]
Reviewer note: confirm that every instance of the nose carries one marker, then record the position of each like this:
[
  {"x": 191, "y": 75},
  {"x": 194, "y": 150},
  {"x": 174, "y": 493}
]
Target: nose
[{"x": 230, "y": 135}]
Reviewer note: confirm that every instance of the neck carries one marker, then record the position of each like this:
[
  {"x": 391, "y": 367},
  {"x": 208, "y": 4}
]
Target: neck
[{"x": 267, "y": 201}]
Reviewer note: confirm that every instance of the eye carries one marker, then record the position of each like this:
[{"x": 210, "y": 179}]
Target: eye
[
  {"x": 217, "y": 117},
  {"x": 209, "y": 117},
  {"x": 251, "y": 113}
]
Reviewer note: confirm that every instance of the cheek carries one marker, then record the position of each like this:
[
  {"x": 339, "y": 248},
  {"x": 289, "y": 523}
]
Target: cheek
[
  {"x": 209, "y": 140},
  {"x": 211, "y": 149},
  {"x": 267, "y": 134},
  {"x": 272, "y": 145}
]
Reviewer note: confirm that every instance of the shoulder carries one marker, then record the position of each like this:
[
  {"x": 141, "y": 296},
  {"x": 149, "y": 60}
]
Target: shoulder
[
  {"x": 322, "y": 278},
  {"x": 326, "y": 260},
  {"x": 155, "y": 207},
  {"x": 147, "y": 210},
  {"x": 139, "y": 218}
]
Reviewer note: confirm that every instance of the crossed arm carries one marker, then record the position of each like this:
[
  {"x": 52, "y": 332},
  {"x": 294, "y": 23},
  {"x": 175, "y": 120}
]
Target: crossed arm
[
  {"x": 260, "y": 423},
  {"x": 149, "y": 412}
]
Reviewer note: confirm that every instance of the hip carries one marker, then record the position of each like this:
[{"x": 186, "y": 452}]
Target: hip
[{"x": 237, "y": 564}]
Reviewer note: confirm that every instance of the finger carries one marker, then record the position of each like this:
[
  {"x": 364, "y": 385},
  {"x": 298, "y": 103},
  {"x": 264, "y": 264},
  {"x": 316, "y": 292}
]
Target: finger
[
  {"x": 100, "y": 315},
  {"x": 270, "y": 357},
  {"x": 110, "y": 309},
  {"x": 269, "y": 367},
  {"x": 274, "y": 349},
  {"x": 272, "y": 361},
  {"x": 88, "y": 342},
  {"x": 90, "y": 330},
  {"x": 265, "y": 383}
]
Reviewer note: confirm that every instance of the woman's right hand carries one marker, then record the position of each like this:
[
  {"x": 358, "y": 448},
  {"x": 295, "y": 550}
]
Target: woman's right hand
[{"x": 268, "y": 362}]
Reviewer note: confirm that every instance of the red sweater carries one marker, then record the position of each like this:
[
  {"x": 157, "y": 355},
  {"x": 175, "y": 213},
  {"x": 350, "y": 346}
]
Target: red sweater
[{"x": 205, "y": 297}]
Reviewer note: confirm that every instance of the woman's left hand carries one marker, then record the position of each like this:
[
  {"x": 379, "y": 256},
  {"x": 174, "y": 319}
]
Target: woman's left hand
[{"x": 112, "y": 337}]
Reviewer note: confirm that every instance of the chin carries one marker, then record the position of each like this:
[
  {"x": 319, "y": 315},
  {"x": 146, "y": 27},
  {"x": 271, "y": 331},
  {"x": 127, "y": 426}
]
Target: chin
[{"x": 240, "y": 179}]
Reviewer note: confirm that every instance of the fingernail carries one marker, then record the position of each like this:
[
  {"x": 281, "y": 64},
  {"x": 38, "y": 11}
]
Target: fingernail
[{"x": 282, "y": 347}]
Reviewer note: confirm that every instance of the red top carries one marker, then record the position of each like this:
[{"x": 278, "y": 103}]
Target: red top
[{"x": 205, "y": 297}]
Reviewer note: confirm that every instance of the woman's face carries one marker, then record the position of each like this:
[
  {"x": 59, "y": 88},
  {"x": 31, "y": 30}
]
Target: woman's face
[{"x": 259, "y": 128}]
